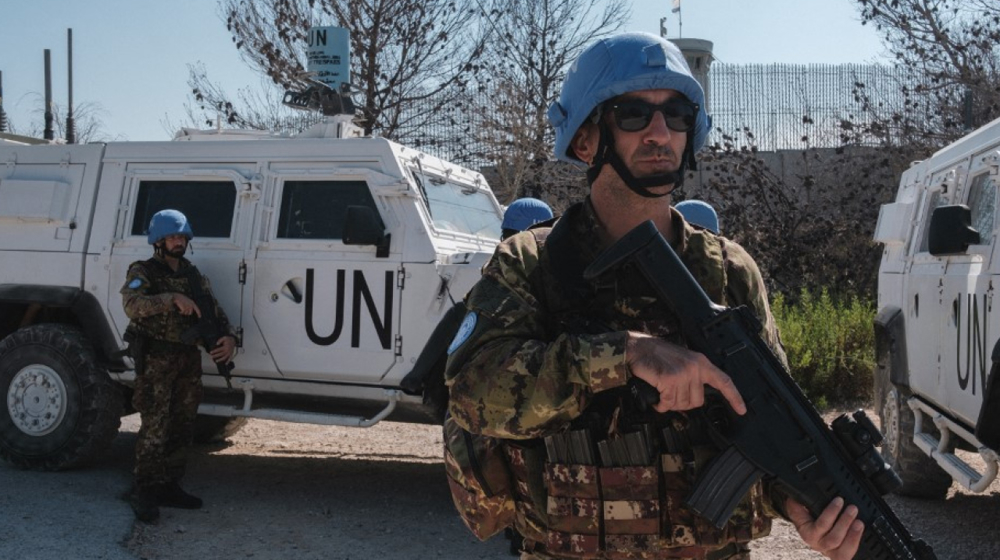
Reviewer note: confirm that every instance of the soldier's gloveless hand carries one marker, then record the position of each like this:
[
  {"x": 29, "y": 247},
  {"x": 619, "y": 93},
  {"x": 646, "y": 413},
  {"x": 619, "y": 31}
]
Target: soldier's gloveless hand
[
  {"x": 186, "y": 305},
  {"x": 836, "y": 533},
  {"x": 679, "y": 375},
  {"x": 224, "y": 349}
]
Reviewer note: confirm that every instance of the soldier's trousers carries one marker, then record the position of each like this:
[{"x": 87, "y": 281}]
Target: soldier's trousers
[{"x": 167, "y": 394}]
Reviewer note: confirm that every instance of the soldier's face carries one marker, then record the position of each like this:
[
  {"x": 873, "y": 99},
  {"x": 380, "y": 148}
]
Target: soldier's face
[
  {"x": 654, "y": 149},
  {"x": 175, "y": 245}
]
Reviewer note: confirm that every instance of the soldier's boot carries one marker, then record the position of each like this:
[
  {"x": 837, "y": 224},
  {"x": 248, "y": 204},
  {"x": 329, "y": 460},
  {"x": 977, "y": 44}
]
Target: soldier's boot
[
  {"x": 144, "y": 503},
  {"x": 173, "y": 496}
]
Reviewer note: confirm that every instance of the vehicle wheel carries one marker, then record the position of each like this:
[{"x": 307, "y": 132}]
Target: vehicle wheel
[
  {"x": 61, "y": 409},
  {"x": 921, "y": 475},
  {"x": 216, "y": 429}
]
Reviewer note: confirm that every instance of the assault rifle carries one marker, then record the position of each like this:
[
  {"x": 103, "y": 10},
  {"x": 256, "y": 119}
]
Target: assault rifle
[
  {"x": 781, "y": 436},
  {"x": 208, "y": 330}
]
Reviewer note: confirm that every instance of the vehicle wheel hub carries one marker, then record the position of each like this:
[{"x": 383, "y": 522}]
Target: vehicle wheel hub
[{"x": 36, "y": 400}]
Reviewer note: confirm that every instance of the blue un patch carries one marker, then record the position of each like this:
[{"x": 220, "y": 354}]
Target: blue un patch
[
  {"x": 464, "y": 332},
  {"x": 135, "y": 283}
]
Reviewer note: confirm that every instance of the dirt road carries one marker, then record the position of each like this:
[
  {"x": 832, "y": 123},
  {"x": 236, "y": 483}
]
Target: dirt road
[{"x": 301, "y": 492}]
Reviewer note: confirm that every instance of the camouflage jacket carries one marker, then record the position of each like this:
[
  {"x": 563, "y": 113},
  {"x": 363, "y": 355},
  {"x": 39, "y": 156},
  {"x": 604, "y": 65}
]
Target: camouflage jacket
[
  {"x": 540, "y": 350},
  {"x": 148, "y": 303}
]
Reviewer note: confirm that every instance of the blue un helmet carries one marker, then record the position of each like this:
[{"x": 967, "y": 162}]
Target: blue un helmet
[
  {"x": 699, "y": 213},
  {"x": 614, "y": 66},
  {"x": 168, "y": 222},
  {"x": 524, "y": 213}
]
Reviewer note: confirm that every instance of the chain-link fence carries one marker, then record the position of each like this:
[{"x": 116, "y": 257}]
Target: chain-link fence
[
  {"x": 788, "y": 106},
  {"x": 781, "y": 106}
]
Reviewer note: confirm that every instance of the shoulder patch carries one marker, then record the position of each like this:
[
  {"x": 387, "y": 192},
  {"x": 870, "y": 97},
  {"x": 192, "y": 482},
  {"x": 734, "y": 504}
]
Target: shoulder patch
[
  {"x": 464, "y": 331},
  {"x": 135, "y": 283}
]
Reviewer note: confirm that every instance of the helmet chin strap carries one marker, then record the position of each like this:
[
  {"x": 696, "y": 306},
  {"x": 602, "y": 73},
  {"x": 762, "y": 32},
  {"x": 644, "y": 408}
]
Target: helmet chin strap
[{"x": 606, "y": 153}]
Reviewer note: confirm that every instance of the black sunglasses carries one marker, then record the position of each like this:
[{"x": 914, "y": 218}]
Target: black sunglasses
[{"x": 633, "y": 115}]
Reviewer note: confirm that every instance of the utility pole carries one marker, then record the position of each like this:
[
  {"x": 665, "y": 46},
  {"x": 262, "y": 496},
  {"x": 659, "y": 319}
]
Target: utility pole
[
  {"x": 49, "y": 133},
  {"x": 3, "y": 115}
]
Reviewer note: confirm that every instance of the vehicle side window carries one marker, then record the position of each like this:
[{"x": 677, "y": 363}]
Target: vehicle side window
[
  {"x": 936, "y": 200},
  {"x": 208, "y": 205},
  {"x": 318, "y": 209},
  {"x": 983, "y": 203}
]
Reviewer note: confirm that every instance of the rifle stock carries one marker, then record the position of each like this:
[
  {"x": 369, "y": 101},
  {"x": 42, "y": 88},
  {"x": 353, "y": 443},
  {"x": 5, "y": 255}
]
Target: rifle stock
[{"x": 781, "y": 437}]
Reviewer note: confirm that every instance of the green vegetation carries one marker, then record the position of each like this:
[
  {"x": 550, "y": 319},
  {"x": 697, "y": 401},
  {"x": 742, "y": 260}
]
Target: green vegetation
[{"x": 830, "y": 345}]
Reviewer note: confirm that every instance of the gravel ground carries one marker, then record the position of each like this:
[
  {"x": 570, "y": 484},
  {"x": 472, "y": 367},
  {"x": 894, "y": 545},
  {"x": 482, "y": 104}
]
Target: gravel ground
[
  {"x": 305, "y": 492},
  {"x": 74, "y": 515}
]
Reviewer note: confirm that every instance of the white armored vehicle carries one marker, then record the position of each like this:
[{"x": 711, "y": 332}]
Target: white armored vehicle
[
  {"x": 335, "y": 256},
  {"x": 937, "y": 335}
]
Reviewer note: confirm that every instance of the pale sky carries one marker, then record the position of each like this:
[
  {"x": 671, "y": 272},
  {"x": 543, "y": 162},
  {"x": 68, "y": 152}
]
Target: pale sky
[{"x": 131, "y": 56}]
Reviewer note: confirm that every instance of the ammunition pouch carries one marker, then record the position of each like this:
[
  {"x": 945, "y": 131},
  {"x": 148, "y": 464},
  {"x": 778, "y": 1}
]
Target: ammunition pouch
[
  {"x": 140, "y": 346},
  {"x": 136, "y": 349},
  {"x": 633, "y": 508}
]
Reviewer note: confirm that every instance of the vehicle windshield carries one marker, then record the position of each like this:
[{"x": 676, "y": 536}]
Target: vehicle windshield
[{"x": 461, "y": 208}]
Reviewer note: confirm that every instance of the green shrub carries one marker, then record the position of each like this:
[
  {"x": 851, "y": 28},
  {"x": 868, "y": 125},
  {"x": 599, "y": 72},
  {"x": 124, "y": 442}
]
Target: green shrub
[{"x": 830, "y": 345}]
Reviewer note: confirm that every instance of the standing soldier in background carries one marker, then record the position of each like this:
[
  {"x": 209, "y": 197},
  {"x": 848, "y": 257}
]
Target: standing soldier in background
[
  {"x": 159, "y": 298},
  {"x": 544, "y": 358},
  {"x": 522, "y": 214},
  {"x": 699, "y": 213}
]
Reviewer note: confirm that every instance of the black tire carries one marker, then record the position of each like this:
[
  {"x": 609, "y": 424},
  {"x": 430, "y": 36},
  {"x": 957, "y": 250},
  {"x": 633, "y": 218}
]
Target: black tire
[
  {"x": 61, "y": 410},
  {"x": 921, "y": 475},
  {"x": 216, "y": 429}
]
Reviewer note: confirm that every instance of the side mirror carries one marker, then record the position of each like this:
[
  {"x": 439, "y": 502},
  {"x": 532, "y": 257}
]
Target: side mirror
[
  {"x": 951, "y": 231},
  {"x": 364, "y": 227}
]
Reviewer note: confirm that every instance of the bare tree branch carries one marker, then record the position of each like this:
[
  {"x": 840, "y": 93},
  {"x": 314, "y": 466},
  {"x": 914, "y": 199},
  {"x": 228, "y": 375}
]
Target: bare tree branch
[
  {"x": 535, "y": 42},
  {"x": 403, "y": 52}
]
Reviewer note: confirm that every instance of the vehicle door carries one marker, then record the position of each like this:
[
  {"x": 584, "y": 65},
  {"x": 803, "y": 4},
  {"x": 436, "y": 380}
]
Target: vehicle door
[
  {"x": 327, "y": 310},
  {"x": 923, "y": 303},
  {"x": 218, "y": 203},
  {"x": 968, "y": 333}
]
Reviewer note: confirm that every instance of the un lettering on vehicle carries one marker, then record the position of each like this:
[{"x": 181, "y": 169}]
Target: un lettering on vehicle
[
  {"x": 364, "y": 294},
  {"x": 972, "y": 352}
]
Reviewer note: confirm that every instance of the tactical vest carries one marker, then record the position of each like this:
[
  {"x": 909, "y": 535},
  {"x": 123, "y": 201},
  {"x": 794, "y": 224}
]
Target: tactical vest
[
  {"x": 586, "y": 510},
  {"x": 165, "y": 327}
]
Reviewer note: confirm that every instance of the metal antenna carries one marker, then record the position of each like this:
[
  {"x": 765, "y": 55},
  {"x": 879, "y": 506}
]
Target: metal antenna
[
  {"x": 70, "y": 125},
  {"x": 49, "y": 133}
]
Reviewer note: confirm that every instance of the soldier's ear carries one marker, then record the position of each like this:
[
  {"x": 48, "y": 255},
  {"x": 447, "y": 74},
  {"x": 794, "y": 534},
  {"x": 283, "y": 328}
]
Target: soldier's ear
[{"x": 585, "y": 142}]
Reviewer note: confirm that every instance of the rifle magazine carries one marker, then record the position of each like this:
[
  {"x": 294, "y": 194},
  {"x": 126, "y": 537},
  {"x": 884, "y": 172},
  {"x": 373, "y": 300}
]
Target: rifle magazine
[{"x": 723, "y": 484}]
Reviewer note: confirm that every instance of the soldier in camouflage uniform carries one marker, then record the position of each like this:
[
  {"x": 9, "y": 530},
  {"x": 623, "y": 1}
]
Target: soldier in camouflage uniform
[
  {"x": 543, "y": 354},
  {"x": 159, "y": 300}
]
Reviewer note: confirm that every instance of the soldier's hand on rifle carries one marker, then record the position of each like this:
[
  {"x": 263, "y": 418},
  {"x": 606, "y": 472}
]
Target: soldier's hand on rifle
[
  {"x": 186, "y": 305},
  {"x": 679, "y": 375},
  {"x": 835, "y": 533},
  {"x": 224, "y": 349}
]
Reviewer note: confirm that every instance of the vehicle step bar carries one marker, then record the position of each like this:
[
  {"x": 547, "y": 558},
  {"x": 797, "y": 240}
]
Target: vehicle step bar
[
  {"x": 936, "y": 449},
  {"x": 392, "y": 397}
]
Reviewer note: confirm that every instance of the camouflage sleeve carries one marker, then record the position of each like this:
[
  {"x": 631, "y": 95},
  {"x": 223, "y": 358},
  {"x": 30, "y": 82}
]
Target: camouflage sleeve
[
  {"x": 137, "y": 300},
  {"x": 508, "y": 377},
  {"x": 746, "y": 286}
]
